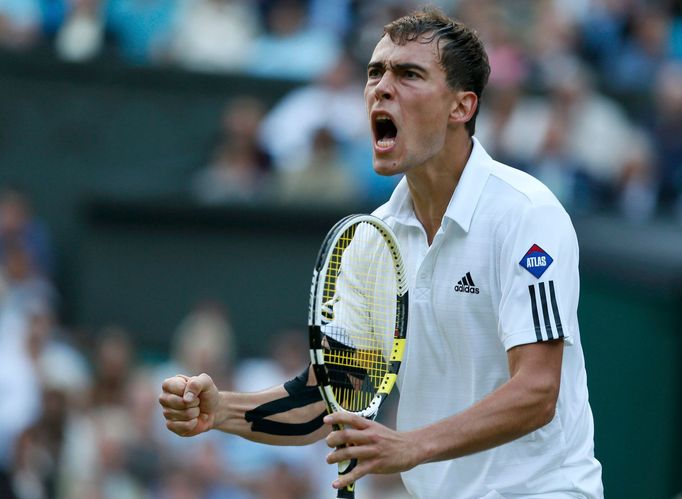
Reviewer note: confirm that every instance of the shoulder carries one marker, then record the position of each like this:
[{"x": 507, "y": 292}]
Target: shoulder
[
  {"x": 518, "y": 203},
  {"x": 514, "y": 188}
]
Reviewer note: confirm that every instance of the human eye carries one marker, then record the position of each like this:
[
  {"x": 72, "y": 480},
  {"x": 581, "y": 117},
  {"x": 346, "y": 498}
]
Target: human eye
[{"x": 373, "y": 73}]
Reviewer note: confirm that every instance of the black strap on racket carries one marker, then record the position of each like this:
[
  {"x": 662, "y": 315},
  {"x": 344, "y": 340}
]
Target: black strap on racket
[
  {"x": 300, "y": 395},
  {"x": 288, "y": 429}
]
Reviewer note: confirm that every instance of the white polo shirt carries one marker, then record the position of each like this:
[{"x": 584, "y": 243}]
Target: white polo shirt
[{"x": 501, "y": 271}]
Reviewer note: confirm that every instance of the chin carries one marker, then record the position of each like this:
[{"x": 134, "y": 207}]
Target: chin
[{"x": 387, "y": 168}]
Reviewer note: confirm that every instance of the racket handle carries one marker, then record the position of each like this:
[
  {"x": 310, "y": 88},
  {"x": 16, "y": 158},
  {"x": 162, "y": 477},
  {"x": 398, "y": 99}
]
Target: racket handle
[{"x": 348, "y": 492}]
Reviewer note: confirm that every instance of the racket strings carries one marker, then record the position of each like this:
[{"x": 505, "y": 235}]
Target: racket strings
[{"x": 361, "y": 311}]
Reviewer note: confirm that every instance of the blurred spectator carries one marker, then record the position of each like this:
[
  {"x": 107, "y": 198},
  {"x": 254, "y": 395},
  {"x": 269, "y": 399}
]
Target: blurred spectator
[
  {"x": 59, "y": 364},
  {"x": 507, "y": 60},
  {"x": 38, "y": 450},
  {"x": 675, "y": 29},
  {"x": 603, "y": 31},
  {"x": 666, "y": 133},
  {"x": 239, "y": 167},
  {"x": 113, "y": 362},
  {"x": 642, "y": 53},
  {"x": 320, "y": 178},
  {"x": 82, "y": 35},
  {"x": 334, "y": 16},
  {"x": 637, "y": 186},
  {"x": 203, "y": 343},
  {"x": 142, "y": 28},
  {"x": 53, "y": 14},
  {"x": 598, "y": 135},
  {"x": 291, "y": 48},
  {"x": 334, "y": 102},
  {"x": 143, "y": 454},
  {"x": 214, "y": 35},
  {"x": 19, "y": 23},
  {"x": 553, "y": 137},
  {"x": 552, "y": 44},
  {"x": 53, "y": 377},
  {"x": 21, "y": 403},
  {"x": 19, "y": 226},
  {"x": 234, "y": 174},
  {"x": 372, "y": 17}
]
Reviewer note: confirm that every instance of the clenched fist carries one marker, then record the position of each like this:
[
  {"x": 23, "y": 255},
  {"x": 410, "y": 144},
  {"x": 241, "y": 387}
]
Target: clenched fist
[{"x": 189, "y": 404}]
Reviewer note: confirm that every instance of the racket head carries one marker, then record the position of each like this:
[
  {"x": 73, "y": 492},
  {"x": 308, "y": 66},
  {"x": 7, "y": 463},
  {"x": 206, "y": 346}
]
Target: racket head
[{"x": 358, "y": 315}]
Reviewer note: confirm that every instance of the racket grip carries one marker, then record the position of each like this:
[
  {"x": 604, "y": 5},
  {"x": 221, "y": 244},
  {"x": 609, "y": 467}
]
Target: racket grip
[{"x": 347, "y": 492}]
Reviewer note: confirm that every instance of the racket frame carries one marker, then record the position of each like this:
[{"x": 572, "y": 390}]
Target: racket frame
[{"x": 315, "y": 324}]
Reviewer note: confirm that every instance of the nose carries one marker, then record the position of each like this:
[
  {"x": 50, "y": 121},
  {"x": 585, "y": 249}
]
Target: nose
[{"x": 384, "y": 89}]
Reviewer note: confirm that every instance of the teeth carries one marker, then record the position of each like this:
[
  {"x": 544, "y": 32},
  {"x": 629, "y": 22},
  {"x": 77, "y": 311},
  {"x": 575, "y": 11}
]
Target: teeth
[{"x": 384, "y": 143}]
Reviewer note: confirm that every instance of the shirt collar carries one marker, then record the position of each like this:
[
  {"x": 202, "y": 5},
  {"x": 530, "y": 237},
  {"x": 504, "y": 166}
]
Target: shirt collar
[
  {"x": 464, "y": 200},
  {"x": 470, "y": 187}
]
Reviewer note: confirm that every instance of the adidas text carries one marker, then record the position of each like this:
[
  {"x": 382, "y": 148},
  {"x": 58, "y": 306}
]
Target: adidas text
[{"x": 466, "y": 289}]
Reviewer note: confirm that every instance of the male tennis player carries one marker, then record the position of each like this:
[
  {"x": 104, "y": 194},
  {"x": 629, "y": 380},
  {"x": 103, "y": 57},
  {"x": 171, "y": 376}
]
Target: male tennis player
[{"x": 493, "y": 389}]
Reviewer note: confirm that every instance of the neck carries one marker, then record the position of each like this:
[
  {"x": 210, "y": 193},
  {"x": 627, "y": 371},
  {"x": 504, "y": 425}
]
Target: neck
[{"x": 432, "y": 184}]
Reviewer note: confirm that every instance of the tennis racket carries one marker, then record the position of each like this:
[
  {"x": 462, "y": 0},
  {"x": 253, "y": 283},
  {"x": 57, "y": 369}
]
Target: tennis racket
[{"x": 357, "y": 319}]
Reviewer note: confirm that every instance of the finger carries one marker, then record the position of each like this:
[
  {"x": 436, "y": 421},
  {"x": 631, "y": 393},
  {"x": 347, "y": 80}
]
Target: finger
[
  {"x": 175, "y": 384},
  {"x": 348, "y": 436},
  {"x": 359, "y": 452},
  {"x": 347, "y": 419},
  {"x": 181, "y": 415},
  {"x": 182, "y": 428},
  {"x": 360, "y": 470},
  {"x": 175, "y": 401},
  {"x": 195, "y": 386}
]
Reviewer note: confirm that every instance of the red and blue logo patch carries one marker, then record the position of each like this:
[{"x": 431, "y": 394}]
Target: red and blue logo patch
[{"x": 536, "y": 261}]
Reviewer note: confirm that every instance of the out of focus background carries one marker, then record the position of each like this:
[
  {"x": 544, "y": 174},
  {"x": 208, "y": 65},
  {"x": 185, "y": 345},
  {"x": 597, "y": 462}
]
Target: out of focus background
[{"x": 169, "y": 167}]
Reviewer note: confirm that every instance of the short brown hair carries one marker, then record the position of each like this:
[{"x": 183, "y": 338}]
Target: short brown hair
[{"x": 461, "y": 52}]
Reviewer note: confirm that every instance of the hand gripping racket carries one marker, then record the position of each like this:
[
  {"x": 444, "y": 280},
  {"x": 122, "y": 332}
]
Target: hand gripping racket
[{"x": 357, "y": 319}]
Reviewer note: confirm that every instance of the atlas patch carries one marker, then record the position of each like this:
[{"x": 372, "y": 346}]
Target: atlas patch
[{"x": 536, "y": 261}]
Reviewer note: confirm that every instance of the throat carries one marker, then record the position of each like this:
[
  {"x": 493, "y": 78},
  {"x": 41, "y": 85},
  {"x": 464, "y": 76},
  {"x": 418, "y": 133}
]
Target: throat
[
  {"x": 431, "y": 230},
  {"x": 430, "y": 203}
]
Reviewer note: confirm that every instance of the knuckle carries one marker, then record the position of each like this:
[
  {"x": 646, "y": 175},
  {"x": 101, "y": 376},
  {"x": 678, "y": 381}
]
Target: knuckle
[{"x": 170, "y": 414}]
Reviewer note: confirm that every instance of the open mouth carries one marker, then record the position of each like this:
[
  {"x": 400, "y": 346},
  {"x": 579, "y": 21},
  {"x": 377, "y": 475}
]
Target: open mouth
[{"x": 385, "y": 132}]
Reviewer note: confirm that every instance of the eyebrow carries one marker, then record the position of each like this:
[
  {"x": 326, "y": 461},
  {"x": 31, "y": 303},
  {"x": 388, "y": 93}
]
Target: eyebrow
[{"x": 399, "y": 67}]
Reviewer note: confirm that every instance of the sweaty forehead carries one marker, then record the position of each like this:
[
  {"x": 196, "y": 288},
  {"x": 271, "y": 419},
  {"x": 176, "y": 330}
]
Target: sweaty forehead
[{"x": 389, "y": 53}]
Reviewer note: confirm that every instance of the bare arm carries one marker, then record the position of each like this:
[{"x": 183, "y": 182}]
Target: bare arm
[
  {"x": 523, "y": 404},
  {"x": 193, "y": 405}
]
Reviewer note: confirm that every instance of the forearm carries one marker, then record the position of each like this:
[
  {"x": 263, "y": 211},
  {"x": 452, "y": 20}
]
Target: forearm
[
  {"x": 249, "y": 416},
  {"x": 517, "y": 408}
]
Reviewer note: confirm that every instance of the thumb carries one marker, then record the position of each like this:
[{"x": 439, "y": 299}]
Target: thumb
[{"x": 195, "y": 386}]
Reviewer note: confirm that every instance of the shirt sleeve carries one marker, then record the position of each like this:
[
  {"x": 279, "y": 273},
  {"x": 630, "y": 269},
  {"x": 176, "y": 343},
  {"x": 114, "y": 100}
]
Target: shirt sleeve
[{"x": 539, "y": 282}]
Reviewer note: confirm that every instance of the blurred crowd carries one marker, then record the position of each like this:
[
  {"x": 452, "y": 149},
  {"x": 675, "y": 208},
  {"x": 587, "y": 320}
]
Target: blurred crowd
[
  {"x": 79, "y": 411},
  {"x": 586, "y": 95}
]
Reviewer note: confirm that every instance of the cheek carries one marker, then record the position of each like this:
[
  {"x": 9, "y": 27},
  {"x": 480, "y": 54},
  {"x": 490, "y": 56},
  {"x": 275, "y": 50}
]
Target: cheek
[{"x": 429, "y": 130}]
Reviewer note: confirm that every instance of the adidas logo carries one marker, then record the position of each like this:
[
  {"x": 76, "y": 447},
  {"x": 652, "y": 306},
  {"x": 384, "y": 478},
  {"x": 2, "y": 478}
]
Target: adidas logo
[{"x": 466, "y": 285}]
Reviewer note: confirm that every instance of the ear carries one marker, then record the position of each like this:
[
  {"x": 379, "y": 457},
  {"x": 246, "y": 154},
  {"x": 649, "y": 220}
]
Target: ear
[{"x": 463, "y": 107}]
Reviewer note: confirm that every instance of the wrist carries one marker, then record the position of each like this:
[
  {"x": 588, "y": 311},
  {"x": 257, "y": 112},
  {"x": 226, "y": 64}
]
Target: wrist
[
  {"x": 420, "y": 449},
  {"x": 222, "y": 413}
]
